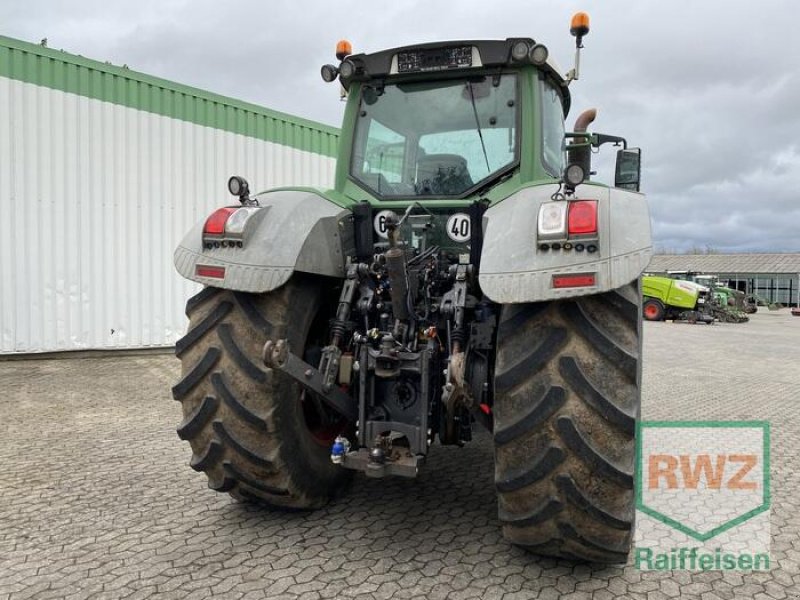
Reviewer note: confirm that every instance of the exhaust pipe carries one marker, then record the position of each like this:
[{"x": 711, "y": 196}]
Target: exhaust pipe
[
  {"x": 583, "y": 155},
  {"x": 585, "y": 119}
]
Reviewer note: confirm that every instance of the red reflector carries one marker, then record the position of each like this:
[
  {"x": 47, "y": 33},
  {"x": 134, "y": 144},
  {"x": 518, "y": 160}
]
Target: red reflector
[
  {"x": 206, "y": 271},
  {"x": 485, "y": 408},
  {"x": 215, "y": 224},
  {"x": 582, "y": 217},
  {"x": 577, "y": 280}
]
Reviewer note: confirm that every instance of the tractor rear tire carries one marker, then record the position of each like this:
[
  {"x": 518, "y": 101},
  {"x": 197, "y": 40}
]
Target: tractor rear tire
[
  {"x": 567, "y": 399},
  {"x": 653, "y": 310},
  {"x": 247, "y": 426}
]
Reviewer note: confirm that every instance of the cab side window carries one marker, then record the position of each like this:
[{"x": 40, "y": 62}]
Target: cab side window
[{"x": 552, "y": 130}]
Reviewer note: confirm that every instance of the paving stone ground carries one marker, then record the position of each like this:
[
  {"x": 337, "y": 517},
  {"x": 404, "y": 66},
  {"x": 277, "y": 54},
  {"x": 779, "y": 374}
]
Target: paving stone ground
[{"x": 97, "y": 500}]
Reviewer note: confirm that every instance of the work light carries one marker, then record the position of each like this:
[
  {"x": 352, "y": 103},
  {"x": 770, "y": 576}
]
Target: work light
[
  {"x": 347, "y": 69},
  {"x": 329, "y": 73},
  {"x": 519, "y": 51},
  {"x": 538, "y": 54}
]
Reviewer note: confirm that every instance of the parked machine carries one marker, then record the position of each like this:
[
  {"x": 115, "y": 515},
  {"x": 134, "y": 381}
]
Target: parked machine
[
  {"x": 724, "y": 303},
  {"x": 665, "y": 298},
  {"x": 463, "y": 273}
]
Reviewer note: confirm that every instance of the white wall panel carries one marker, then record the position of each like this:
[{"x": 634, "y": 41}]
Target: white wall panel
[{"x": 94, "y": 197}]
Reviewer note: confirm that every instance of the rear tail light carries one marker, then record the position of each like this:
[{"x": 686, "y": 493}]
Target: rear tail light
[
  {"x": 229, "y": 222},
  {"x": 582, "y": 218},
  {"x": 574, "y": 280},
  {"x": 552, "y": 222},
  {"x": 561, "y": 219},
  {"x": 238, "y": 220},
  {"x": 215, "y": 224},
  {"x": 210, "y": 271}
]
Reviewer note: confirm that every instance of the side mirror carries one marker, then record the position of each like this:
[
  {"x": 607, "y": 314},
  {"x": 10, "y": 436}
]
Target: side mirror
[{"x": 629, "y": 169}]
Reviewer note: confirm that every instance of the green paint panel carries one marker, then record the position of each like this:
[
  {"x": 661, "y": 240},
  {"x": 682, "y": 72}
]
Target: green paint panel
[{"x": 73, "y": 74}]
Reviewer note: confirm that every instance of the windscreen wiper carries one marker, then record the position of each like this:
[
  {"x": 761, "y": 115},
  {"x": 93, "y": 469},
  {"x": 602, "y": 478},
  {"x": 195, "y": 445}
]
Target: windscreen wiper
[{"x": 478, "y": 125}]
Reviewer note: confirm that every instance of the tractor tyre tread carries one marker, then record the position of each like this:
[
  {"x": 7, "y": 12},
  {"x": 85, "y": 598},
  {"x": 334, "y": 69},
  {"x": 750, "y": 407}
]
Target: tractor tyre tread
[
  {"x": 245, "y": 422},
  {"x": 565, "y": 427}
]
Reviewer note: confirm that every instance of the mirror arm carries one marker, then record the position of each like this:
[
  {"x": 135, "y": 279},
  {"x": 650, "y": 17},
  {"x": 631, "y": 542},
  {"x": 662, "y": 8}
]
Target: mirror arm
[
  {"x": 598, "y": 139},
  {"x": 577, "y": 146}
]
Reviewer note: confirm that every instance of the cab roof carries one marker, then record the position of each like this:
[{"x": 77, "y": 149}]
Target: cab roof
[{"x": 450, "y": 57}]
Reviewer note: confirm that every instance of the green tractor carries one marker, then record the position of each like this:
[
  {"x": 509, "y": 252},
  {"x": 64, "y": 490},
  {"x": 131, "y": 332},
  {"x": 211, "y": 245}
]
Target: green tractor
[
  {"x": 727, "y": 305},
  {"x": 462, "y": 273}
]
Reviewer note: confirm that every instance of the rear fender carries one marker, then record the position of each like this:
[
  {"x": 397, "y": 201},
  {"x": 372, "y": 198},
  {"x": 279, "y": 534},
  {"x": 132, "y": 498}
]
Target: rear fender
[
  {"x": 293, "y": 231},
  {"x": 513, "y": 268}
]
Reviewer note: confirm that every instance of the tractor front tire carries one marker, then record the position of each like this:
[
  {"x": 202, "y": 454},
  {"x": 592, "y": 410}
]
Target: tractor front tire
[
  {"x": 567, "y": 398},
  {"x": 247, "y": 425}
]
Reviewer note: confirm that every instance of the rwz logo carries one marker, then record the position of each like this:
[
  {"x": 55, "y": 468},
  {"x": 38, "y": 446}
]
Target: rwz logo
[
  {"x": 689, "y": 472},
  {"x": 702, "y": 478}
]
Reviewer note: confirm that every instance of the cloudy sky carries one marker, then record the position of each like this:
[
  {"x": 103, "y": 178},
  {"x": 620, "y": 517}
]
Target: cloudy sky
[{"x": 710, "y": 90}]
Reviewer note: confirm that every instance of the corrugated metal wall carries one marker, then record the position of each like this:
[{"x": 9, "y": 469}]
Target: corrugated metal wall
[{"x": 102, "y": 171}]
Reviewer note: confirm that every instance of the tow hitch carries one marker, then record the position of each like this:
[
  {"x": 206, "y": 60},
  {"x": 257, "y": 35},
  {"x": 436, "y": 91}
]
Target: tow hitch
[
  {"x": 276, "y": 355},
  {"x": 387, "y": 455}
]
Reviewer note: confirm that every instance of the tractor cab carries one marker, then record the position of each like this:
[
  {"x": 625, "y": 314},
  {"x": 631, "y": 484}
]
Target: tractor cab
[
  {"x": 452, "y": 121},
  {"x": 449, "y": 120}
]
